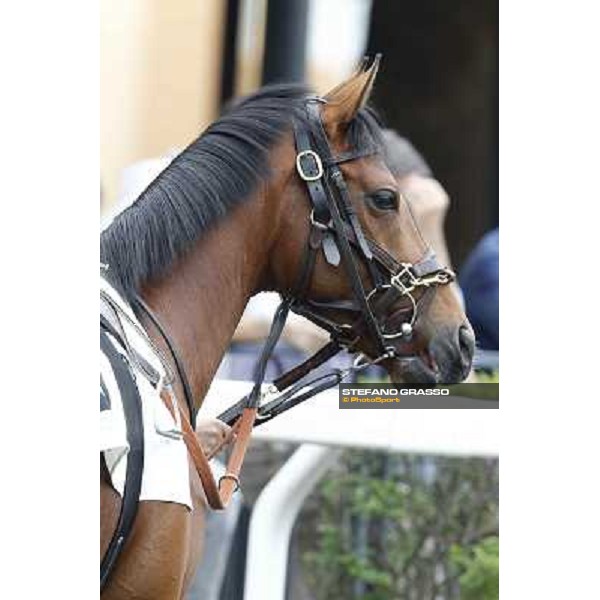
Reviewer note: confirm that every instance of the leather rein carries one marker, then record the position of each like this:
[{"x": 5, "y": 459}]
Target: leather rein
[{"x": 336, "y": 231}]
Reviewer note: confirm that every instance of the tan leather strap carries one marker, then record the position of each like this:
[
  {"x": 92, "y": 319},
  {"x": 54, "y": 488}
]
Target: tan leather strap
[{"x": 218, "y": 493}]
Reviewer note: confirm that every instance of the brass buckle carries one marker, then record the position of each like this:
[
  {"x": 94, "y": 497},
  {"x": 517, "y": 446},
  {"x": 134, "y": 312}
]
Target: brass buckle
[
  {"x": 406, "y": 286},
  {"x": 303, "y": 175}
]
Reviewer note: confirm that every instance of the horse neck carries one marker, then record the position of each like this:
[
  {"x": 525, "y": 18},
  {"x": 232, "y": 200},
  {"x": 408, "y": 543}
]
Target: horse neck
[{"x": 201, "y": 300}]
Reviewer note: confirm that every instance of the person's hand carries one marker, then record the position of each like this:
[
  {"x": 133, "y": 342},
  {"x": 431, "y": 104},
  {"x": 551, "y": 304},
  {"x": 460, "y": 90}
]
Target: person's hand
[{"x": 212, "y": 435}]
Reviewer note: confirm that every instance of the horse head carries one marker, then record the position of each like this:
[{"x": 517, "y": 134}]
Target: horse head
[{"x": 373, "y": 282}]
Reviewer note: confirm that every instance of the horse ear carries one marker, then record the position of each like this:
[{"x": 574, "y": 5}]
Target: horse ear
[
  {"x": 360, "y": 69},
  {"x": 345, "y": 100}
]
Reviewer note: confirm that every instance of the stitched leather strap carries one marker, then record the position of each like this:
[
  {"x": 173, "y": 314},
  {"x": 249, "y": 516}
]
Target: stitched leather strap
[
  {"x": 261, "y": 366},
  {"x": 132, "y": 408},
  {"x": 310, "y": 364},
  {"x": 319, "y": 196},
  {"x": 218, "y": 494}
]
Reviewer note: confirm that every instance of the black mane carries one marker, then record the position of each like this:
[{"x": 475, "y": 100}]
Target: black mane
[{"x": 203, "y": 183}]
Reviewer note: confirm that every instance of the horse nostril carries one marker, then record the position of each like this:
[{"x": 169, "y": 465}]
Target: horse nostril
[
  {"x": 466, "y": 342},
  {"x": 452, "y": 353}
]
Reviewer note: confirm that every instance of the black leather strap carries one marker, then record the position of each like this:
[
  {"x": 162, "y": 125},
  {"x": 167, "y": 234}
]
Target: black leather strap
[
  {"x": 308, "y": 165},
  {"x": 289, "y": 382},
  {"x": 132, "y": 407},
  {"x": 335, "y": 175},
  {"x": 292, "y": 398},
  {"x": 261, "y": 366},
  {"x": 310, "y": 364},
  {"x": 315, "y": 240},
  {"x": 343, "y": 157},
  {"x": 325, "y": 194},
  {"x": 140, "y": 305}
]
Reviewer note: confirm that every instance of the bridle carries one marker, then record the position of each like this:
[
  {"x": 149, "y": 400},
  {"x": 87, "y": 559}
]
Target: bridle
[
  {"x": 336, "y": 231},
  {"x": 335, "y": 228}
]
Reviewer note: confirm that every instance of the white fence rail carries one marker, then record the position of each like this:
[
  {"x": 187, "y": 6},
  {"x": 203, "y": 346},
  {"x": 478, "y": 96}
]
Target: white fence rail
[
  {"x": 320, "y": 421},
  {"x": 322, "y": 428}
]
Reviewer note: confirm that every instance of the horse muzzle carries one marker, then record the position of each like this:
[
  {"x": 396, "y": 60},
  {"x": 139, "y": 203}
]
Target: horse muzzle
[{"x": 446, "y": 359}]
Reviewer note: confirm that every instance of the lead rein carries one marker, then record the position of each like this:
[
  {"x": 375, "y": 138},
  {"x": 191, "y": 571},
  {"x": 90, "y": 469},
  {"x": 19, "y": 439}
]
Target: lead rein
[{"x": 292, "y": 389}]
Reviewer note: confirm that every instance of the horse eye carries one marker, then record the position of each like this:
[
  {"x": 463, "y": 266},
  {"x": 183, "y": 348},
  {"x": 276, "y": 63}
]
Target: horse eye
[{"x": 385, "y": 199}]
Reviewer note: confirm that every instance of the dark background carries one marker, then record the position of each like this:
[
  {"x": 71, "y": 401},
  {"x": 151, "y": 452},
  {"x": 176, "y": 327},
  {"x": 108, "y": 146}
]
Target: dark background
[{"x": 438, "y": 86}]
